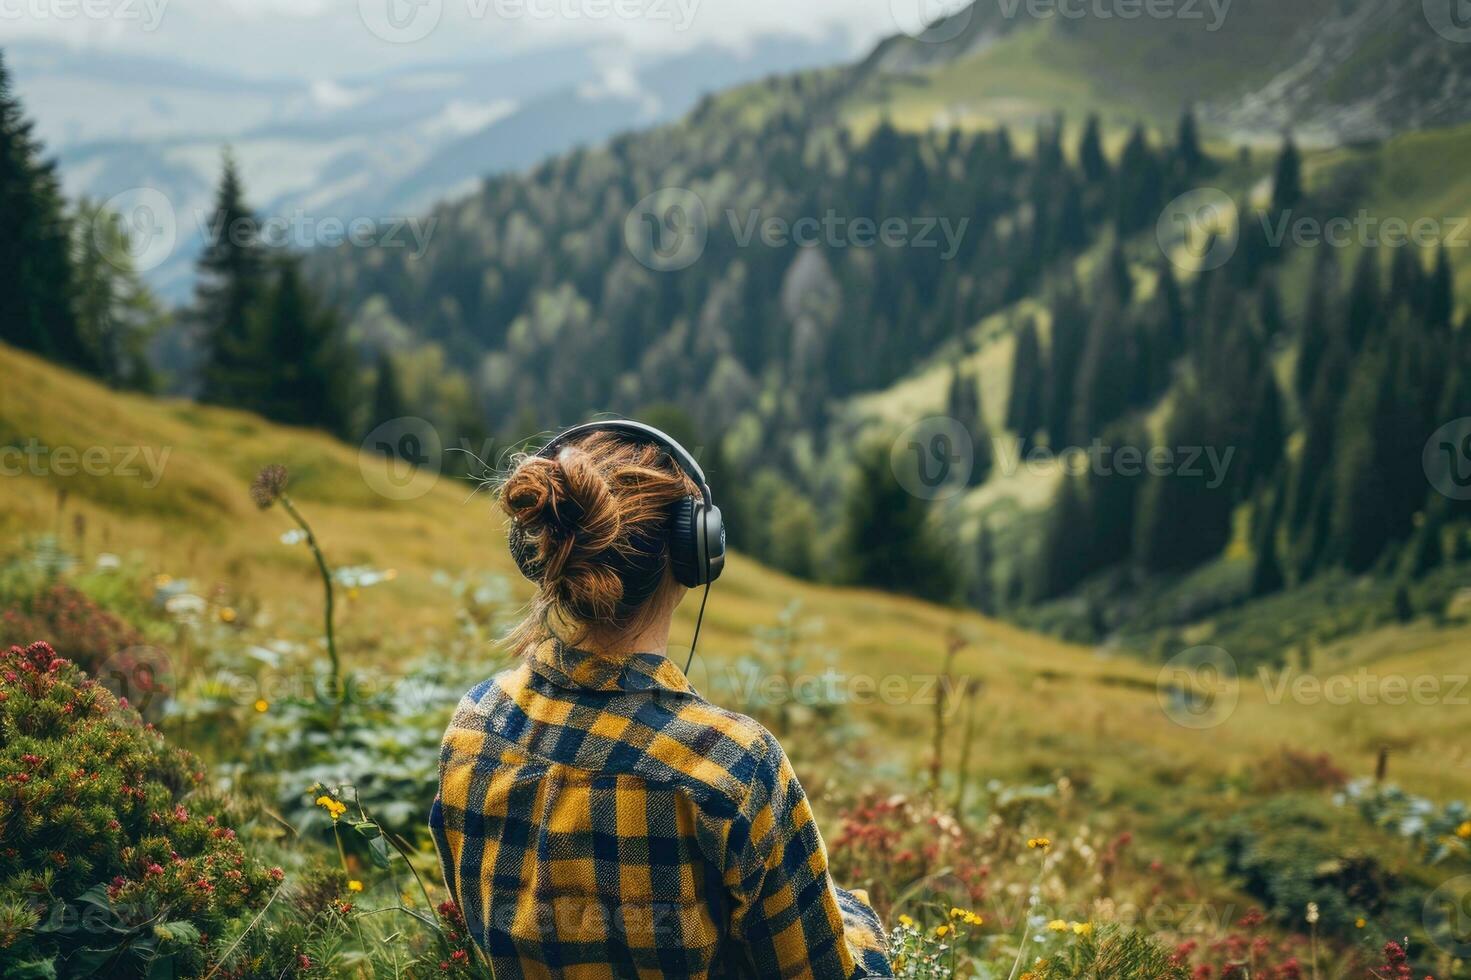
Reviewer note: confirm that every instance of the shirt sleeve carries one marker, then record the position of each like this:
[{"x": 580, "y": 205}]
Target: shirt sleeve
[{"x": 788, "y": 919}]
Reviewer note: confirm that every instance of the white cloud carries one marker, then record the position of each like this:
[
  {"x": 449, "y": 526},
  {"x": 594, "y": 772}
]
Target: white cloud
[{"x": 306, "y": 39}]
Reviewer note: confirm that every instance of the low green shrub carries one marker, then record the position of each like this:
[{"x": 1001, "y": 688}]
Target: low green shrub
[{"x": 114, "y": 859}]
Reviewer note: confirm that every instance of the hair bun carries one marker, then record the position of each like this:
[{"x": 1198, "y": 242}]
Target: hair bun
[
  {"x": 564, "y": 513},
  {"x": 589, "y": 527}
]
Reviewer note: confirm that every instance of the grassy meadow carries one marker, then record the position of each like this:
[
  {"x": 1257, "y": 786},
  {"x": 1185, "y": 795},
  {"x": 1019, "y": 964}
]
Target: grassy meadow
[{"x": 1040, "y": 739}]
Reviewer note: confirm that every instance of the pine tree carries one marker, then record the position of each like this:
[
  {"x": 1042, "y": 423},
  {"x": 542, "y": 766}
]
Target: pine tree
[
  {"x": 35, "y": 245},
  {"x": 1184, "y": 519},
  {"x": 116, "y": 313},
  {"x": 1113, "y": 485},
  {"x": 1065, "y": 352},
  {"x": 1104, "y": 385},
  {"x": 1024, "y": 410},
  {"x": 1090, "y": 152},
  {"x": 1139, "y": 185},
  {"x": 1287, "y": 183},
  {"x": 1187, "y": 143},
  {"x": 982, "y": 590},
  {"x": 1266, "y": 567},
  {"x": 388, "y": 401},
  {"x": 1266, "y": 435},
  {"x": 963, "y": 404},
  {"x": 232, "y": 284},
  {"x": 1062, "y": 562},
  {"x": 1365, "y": 312},
  {"x": 1317, "y": 331},
  {"x": 1440, "y": 299},
  {"x": 1363, "y": 517},
  {"x": 306, "y": 370},
  {"x": 1427, "y": 549},
  {"x": 888, "y": 542}
]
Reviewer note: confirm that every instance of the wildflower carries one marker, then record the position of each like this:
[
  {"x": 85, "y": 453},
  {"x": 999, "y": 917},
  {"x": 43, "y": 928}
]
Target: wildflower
[
  {"x": 1464, "y": 831},
  {"x": 965, "y": 915},
  {"x": 1044, "y": 843},
  {"x": 268, "y": 485},
  {"x": 1312, "y": 913},
  {"x": 262, "y": 705},
  {"x": 354, "y": 885},
  {"x": 940, "y": 931},
  {"x": 227, "y": 615},
  {"x": 905, "y": 920},
  {"x": 1082, "y": 928},
  {"x": 1360, "y": 922},
  {"x": 1057, "y": 925},
  {"x": 335, "y": 807}
]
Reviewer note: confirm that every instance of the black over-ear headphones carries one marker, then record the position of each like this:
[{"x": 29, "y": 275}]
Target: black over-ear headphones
[{"x": 696, "y": 536}]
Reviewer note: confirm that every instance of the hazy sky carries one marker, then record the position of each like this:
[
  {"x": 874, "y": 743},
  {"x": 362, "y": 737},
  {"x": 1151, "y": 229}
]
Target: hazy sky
[{"x": 319, "y": 38}]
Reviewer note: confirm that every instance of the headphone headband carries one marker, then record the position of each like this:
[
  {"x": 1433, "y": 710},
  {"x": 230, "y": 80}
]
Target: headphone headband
[{"x": 660, "y": 438}]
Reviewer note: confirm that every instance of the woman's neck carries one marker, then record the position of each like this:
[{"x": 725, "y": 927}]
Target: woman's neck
[{"x": 652, "y": 638}]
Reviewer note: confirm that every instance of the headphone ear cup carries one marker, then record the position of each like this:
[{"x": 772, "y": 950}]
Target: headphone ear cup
[
  {"x": 684, "y": 552},
  {"x": 712, "y": 541}
]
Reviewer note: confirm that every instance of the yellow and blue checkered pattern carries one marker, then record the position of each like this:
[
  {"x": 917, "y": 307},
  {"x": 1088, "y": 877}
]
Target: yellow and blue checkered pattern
[{"x": 598, "y": 818}]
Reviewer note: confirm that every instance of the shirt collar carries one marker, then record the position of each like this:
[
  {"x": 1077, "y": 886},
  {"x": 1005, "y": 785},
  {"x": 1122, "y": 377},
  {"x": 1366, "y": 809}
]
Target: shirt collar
[{"x": 570, "y": 667}]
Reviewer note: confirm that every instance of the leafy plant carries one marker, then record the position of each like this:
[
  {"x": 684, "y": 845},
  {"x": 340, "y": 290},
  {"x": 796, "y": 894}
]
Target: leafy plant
[{"x": 113, "y": 858}]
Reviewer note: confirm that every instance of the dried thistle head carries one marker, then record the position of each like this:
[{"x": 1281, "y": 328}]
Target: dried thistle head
[{"x": 268, "y": 485}]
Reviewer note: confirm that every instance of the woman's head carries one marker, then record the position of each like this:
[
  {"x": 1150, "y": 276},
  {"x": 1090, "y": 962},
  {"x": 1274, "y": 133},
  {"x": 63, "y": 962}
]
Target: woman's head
[{"x": 590, "y": 525}]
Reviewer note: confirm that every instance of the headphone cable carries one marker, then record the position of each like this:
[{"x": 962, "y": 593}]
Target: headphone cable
[{"x": 698, "y": 620}]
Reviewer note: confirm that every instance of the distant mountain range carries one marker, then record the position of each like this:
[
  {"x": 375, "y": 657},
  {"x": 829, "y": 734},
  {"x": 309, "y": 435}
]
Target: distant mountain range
[{"x": 379, "y": 146}]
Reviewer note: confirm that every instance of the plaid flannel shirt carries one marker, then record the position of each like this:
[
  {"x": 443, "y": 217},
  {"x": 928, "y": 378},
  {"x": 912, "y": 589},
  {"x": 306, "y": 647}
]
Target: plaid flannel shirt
[{"x": 601, "y": 819}]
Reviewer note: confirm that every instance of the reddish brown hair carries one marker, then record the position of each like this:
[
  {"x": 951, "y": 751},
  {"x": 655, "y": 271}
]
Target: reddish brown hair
[{"x": 596, "y": 517}]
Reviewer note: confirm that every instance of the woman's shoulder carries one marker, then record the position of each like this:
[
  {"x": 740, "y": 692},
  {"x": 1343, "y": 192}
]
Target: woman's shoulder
[{"x": 724, "y": 749}]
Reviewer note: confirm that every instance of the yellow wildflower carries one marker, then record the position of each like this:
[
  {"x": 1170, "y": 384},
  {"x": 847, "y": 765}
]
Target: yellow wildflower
[
  {"x": 227, "y": 615},
  {"x": 1359, "y": 923},
  {"x": 905, "y": 920},
  {"x": 262, "y": 705},
  {"x": 354, "y": 885},
  {"x": 1044, "y": 843},
  {"x": 161, "y": 581},
  {"x": 335, "y": 807},
  {"x": 1464, "y": 831},
  {"x": 1083, "y": 928},
  {"x": 965, "y": 915},
  {"x": 1057, "y": 925},
  {"x": 941, "y": 930}
]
